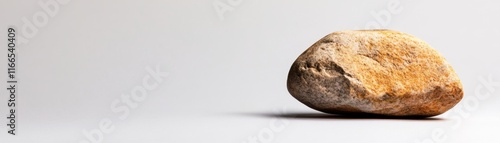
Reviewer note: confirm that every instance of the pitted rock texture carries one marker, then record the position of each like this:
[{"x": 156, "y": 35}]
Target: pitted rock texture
[{"x": 380, "y": 72}]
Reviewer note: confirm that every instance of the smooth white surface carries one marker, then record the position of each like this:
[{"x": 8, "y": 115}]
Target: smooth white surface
[{"x": 226, "y": 77}]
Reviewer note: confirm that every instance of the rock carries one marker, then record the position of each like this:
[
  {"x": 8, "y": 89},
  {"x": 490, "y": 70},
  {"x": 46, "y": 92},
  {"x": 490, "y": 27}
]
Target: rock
[{"x": 374, "y": 72}]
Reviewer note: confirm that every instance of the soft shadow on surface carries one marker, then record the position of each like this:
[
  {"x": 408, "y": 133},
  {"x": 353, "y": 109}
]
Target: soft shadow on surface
[{"x": 313, "y": 116}]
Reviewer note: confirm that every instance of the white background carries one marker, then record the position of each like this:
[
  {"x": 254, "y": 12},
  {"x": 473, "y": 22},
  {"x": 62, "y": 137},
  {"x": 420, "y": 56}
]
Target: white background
[{"x": 227, "y": 70}]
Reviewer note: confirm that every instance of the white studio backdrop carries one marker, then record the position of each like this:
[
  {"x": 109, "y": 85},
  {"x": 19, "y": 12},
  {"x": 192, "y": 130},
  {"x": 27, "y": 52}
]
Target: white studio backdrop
[{"x": 215, "y": 70}]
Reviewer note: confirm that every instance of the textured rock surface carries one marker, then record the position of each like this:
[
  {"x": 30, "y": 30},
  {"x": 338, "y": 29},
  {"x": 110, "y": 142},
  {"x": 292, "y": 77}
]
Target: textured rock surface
[{"x": 381, "y": 72}]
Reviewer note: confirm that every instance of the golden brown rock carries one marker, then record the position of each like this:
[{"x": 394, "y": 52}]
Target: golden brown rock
[{"x": 380, "y": 72}]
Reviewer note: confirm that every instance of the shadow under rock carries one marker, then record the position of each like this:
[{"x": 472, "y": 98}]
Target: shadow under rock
[{"x": 311, "y": 115}]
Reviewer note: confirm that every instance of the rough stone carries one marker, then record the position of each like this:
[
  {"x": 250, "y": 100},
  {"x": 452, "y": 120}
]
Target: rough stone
[{"x": 374, "y": 72}]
